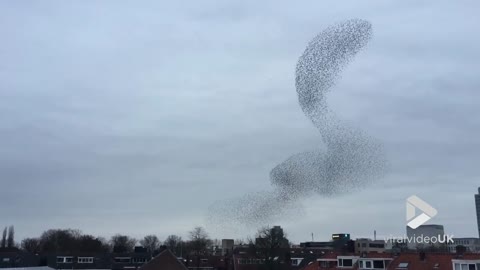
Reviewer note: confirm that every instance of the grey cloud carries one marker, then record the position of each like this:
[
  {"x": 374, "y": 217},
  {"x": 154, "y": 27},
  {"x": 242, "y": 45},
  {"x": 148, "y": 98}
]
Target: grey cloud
[{"x": 107, "y": 110}]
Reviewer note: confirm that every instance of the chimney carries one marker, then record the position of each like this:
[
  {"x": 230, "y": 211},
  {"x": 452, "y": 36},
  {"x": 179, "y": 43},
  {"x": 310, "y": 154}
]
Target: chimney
[
  {"x": 422, "y": 256},
  {"x": 460, "y": 250}
]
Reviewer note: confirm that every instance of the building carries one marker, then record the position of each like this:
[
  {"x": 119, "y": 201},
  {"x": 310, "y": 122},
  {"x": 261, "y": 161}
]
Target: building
[
  {"x": 366, "y": 245},
  {"x": 328, "y": 261},
  {"x": 403, "y": 261},
  {"x": 68, "y": 260},
  {"x": 283, "y": 259},
  {"x": 271, "y": 236},
  {"x": 425, "y": 261},
  {"x": 340, "y": 241},
  {"x": 64, "y": 260},
  {"x": 15, "y": 259},
  {"x": 471, "y": 244},
  {"x": 317, "y": 245},
  {"x": 471, "y": 263},
  {"x": 164, "y": 261},
  {"x": 440, "y": 261},
  {"x": 374, "y": 261},
  {"x": 227, "y": 246},
  {"x": 29, "y": 268},
  {"x": 341, "y": 237},
  {"x": 477, "y": 204},
  {"x": 423, "y": 231}
]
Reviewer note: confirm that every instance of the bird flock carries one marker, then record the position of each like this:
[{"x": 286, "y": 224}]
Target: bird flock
[{"x": 350, "y": 160}]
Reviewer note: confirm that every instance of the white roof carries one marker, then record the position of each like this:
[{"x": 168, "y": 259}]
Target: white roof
[{"x": 30, "y": 268}]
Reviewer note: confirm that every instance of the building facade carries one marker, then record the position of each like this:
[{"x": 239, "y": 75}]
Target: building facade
[
  {"x": 477, "y": 204},
  {"x": 227, "y": 246},
  {"x": 423, "y": 231},
  {"x": 366, "y": 245},
  {"x": 471, "y": 244}
]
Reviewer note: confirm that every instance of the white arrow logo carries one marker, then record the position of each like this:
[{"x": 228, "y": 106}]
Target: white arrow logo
[{"x": 414, "y": 202}]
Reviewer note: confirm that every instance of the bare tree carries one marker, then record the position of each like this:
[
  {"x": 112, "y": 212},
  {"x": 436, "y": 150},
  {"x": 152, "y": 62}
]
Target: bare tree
[
  {"x": 272, "y": 245},
  {"x": 65, "y": 241},
  {"x": 89, "y": 243},
  {"x": 60, "y": 240},
  {"x": 151, "y": 243},
  {"x": 11, "y": 237},
  {"x": 3, "y": 244},
  {"x": 174, "y": 244},
  {"x": 271, "y": 238},
  {"x": 31, "y": 245},
  {"x": 240, "y": 242},
  {"x": 199, "y": 240},
  {"x": 122, "y": 243}
]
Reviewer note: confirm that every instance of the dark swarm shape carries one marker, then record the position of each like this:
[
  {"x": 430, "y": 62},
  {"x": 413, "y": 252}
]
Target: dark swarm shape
[{"x": 350, "y": 159}]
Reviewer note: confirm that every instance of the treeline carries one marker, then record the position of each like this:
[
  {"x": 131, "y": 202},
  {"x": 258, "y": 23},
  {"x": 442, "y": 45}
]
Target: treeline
[
  {"x": 8, "y": 238},
  {"x": 74, "y": 241},
  {"x": 71, "y": 241}
]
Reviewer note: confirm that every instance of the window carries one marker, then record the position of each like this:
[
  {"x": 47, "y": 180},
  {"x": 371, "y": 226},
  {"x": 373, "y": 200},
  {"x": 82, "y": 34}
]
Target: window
[
  {"x": 466, "y": 266},
  {"x": 403, "y": 265},
  {"x": 328, "y": 264},
  {"x": 6, "y": 259},
  {"x": 378, "y": 264},
  {"x": 345, "y": 262},
  {"x": 64, "y": 259},
  {"x": 365, "y": 264},
  {"x": 364, "y": 244},
  {"x": 139, "y": 260},
  {"x": 85, "y": 259},
  {"x": 123, "y": 259}
]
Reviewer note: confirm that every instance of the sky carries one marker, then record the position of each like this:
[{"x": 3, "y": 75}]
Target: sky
[{"x": 135, "y": 116}]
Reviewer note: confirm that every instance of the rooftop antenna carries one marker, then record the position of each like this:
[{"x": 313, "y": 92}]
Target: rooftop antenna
[
  {"x": 374, "y": 235},
  {"x": 312, "y": 236}
]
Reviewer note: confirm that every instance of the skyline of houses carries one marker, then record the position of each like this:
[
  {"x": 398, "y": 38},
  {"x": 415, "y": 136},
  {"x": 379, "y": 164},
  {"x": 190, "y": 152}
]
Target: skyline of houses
[{"x": 269, "y": 250}]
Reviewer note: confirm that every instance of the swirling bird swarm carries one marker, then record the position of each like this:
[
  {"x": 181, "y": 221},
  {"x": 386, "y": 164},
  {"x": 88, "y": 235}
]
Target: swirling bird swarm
[{"x": 351, "y": 160}]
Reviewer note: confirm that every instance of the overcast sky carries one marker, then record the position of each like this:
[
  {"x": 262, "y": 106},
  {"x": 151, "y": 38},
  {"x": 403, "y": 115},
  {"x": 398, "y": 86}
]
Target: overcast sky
[{"x": 135, "y": 116}]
